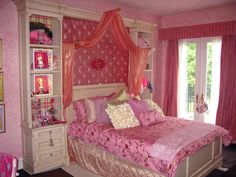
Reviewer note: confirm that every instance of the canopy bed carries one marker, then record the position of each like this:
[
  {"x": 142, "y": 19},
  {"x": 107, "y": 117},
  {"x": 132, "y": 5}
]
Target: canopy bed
[
  {"x": 107, "y": 163},
  {"x": 143, "y": 150}
]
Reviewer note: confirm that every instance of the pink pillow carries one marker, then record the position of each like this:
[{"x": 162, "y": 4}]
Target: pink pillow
[
  {"x": 101, "y": 115},
  {"x": 150, "y": 117},
  {"x": 80, "y": 107},
  {"x": 80, "y": 110},
  {"x": 138, "y": 106}
]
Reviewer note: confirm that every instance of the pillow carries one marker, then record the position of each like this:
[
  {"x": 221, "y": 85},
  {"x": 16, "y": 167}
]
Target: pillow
[
  {"x": 138, "y": 106},
  {"x": 150, "y": 117},
  {"x": 122, "y": 116},
  {"x": 80, "y": 112},
  {"x": 122, "y": 95},
  {"x": 79, "y": 107},
  {"x": 91, "y": 110},
  {"x": 101, "y": 115},
  {"x": 153, "y": 105}
]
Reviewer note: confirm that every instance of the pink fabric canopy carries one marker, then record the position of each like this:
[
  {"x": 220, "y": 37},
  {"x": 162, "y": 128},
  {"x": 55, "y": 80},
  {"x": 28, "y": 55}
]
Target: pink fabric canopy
[{"x": 138, "y": 56}]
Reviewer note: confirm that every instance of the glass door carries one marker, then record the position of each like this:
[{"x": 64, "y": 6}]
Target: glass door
[{"x": 198, "y": 81}]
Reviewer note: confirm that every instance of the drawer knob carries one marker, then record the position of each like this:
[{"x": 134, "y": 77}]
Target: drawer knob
[
  {"x": 51, "y": 155},
  {"x": 51, "y": 142}
]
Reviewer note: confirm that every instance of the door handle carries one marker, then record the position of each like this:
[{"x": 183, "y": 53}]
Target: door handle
[{"x": 202, "y": 98}]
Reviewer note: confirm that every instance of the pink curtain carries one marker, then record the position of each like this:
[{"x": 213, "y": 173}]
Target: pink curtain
[
  {"x": 68, "y": 60},
  {"x": 226, "y": 113},
  {"x": 170, "y": 95},
  {"x": 138, "y": 56}
]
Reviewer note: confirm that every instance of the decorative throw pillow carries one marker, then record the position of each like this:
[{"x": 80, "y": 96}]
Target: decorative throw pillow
[
  {"x": 150, "y": 117},
  {"x": 80, "y": 112},
  {"x": 91, "y": 110},
  {"x": 101, "y": 115},
  {"x": 153, "y": 105},
  {"x": 122, "y": 95},
  {"x": 138, "y": 106},
  {"x": 122, "y": 116}
]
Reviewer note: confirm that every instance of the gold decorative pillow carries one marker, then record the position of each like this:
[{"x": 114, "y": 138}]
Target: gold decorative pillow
[
  {"x": 122, "y": 95},
  {"x": 154, "y": 106},
  {"x": 122, "y": 116}
]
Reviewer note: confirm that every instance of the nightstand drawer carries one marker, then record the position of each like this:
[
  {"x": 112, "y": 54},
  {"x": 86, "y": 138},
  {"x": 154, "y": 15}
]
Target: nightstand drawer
[
  {"x": 50, "y": 144},
  {"x": 49, "y": 138},
  {"x": 51, "y": 156},
  {"x": 50, "y": 133},
  {"x": 49, "y": 160}
]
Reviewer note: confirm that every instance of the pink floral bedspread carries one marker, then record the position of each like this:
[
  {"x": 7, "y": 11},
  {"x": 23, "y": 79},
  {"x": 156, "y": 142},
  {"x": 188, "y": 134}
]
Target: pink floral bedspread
[{"x": 160, "y": 147}]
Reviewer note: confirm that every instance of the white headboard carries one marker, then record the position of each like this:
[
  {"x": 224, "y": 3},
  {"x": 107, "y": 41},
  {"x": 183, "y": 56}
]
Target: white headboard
[{"x": 87, "y": 91}]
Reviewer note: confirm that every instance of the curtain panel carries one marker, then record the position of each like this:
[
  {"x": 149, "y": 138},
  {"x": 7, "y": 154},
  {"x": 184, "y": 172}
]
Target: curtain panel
[
  {"x": 171, "y": 79},
  {"x": 68, "y": 70},
  {"x": 226, "y": 113},
  {"x": 197, "y": 31}
]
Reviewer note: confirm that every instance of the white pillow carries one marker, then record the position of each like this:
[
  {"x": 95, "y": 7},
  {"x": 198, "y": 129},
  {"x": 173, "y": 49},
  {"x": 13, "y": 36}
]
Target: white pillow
[{"x": 121, "y": 116}]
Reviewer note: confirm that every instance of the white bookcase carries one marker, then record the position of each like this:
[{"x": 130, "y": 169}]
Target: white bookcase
[
  {"x": 142, "y": 35},
  {"x": 43, "y": 125}
]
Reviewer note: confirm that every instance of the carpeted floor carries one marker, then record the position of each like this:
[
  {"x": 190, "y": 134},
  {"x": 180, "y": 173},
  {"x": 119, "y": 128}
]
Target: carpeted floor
[
  {"x": 229, "y": 162},
  {"x": 54, "y": 173},
  {"x": 230, "y": 173}
]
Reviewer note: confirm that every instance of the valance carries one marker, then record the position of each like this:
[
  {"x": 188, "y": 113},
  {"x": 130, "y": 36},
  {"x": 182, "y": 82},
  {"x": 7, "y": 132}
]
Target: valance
[{"x": 197, "y": 31}]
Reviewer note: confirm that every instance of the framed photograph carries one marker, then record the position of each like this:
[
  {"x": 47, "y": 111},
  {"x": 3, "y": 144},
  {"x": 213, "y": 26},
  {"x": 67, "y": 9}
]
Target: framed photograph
[
  {"x": 0, "y": 53},
  {"x": 43, "y": 84},
  {"x": 42, "y": 59},
  {"x": 2, "y": 118},
  {"x": 1, "y": 87}
]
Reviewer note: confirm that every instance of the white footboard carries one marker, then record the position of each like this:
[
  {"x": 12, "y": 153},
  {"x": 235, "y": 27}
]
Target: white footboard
[{"x": 203, "y": 162}]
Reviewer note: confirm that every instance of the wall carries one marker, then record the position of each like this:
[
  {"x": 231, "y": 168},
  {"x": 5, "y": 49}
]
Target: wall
[
  {"x": 10, "y": 141},
  {"x": 212, "y": 15},
  {"x": 113, "y": 59}
]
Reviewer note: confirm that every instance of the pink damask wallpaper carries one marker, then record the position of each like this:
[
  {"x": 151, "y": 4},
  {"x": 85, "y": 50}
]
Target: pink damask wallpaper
[{"x": 104, "y": 63}]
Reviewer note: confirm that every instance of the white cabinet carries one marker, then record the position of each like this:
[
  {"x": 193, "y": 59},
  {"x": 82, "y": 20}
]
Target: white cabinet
[
  {"x": 142, "y": 35},
  {"x": 44, "y": 148},
  {"x": 43, "y": 125}
]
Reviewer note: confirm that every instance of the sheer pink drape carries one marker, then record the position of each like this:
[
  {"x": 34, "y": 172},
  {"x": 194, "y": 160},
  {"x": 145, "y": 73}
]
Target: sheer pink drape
[
  {"x": 68, "y": 61},
  {"x": 138, "y": 56},
  {"x": 170, "y": 95},
  {"x": 226, "y": 113}
]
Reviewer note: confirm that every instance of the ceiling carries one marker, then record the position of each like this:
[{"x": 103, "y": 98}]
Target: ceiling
[{"x": 169, "y": 7}]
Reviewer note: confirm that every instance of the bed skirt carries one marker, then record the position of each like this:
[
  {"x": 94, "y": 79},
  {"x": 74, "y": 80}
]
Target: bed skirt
[{"x": 104, "y": 163}]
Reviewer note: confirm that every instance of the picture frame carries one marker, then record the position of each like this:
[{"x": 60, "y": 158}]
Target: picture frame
[
  {"x": 42, "y": 59},
  {"x": 2, "y": 119},
  {"x": 43, "y": 84},
  {"x": 1, "y": 87},
  {"x": 1, "y": 54}
]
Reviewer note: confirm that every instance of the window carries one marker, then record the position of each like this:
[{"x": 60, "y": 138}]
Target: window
[{"x": 198, "y": 80}]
